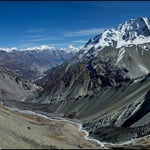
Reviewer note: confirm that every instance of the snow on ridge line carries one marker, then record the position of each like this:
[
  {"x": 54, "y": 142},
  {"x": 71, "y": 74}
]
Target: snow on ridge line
[
  {"x": 71, "y": 48},
  {"x": 134, "y": 31},
  {"x": 40, "y": 48},
  {"x": 8, "y": 49},
  {"x": 120, "y": 54},
  {"x": 68, "y": 49}
]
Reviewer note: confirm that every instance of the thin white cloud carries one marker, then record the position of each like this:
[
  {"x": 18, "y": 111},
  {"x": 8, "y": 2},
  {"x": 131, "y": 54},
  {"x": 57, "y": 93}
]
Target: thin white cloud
[
  {"x": 33, "y": 36},
  {"x": 79, "y": 41},
  {"x": 39, "y": 39},
  {"x": 84, "y": 32},
  {"x": 35, "y": 39},
  {"x": 36, "y": 30},
  {"x": 27, "y": 44},
  {"x": 61, "y": 44},
  {"x": 55, "y": 38},
  {"x": 124, "y": 4}
]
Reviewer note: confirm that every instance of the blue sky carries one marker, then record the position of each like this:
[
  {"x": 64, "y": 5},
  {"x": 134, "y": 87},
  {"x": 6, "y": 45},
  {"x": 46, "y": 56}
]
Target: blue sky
[{"x": 59, "y": 24}]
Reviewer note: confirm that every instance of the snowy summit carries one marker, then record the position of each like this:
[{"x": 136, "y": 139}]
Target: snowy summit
[{"x": 133, "y": 31}]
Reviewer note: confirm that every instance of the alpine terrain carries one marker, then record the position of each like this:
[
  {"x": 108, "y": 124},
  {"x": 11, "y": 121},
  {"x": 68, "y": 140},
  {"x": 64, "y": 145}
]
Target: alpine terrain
[
  {"x": 105, "y": 87},
  {"x": 34, "y": 62}
]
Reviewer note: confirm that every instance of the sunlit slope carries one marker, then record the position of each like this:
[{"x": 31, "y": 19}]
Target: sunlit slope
[{"x": 14, "y": 88}]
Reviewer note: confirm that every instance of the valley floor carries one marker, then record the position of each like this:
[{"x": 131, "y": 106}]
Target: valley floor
[
  {"x": 30, "y": 131},
  {"x": 20, "y": 131}
]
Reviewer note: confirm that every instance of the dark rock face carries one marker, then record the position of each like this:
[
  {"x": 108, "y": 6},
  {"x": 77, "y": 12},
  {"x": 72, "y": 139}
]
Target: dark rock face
[
  {"x": 78, "y": 80},
  {"x": 145, "y": 108},
  {"x": 105, "y": 74},
  {"x": 114, "y": 134}
]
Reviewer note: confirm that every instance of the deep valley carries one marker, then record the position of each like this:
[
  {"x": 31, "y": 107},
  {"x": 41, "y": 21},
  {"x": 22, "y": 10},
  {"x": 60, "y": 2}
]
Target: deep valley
[{"x": 105, "y": 87}]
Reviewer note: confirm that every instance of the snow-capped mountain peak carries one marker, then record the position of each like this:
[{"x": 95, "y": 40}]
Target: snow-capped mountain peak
[
  {"x": 71, "y": 48},
  {"x": 8, "y": 49},
  {"x": 133, "y": 31},
  {"x": 40, "y": 48}
]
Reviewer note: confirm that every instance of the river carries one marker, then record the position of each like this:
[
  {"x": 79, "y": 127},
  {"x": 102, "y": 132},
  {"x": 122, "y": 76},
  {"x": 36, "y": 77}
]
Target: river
[{"x": 103, "y": 145}]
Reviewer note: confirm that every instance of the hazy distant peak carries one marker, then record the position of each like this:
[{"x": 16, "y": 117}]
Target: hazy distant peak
[
  {"x": 8, "y": 49},
  {"x": 68, "y": 49},
  {"x": 71, "y": 48},
  {"x": 41, "y": 48}
]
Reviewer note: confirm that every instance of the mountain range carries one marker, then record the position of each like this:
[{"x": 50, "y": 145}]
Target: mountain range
[
  {"x": 106, "y": 85},
  {"x": 33, "y": 62}
]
